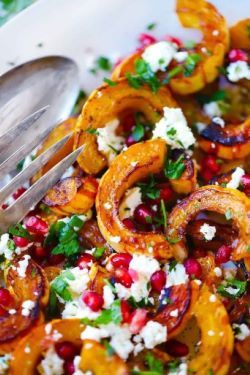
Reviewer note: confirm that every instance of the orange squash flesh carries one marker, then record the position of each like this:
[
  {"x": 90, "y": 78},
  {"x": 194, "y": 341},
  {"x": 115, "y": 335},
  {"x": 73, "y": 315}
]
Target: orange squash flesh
[
  {"x": 216, "y": 336},
  {"x": 39, "y": 340},
  {"x": 105, "y": 104},
  {"x": 34, "y": 287},
  {"x": 149, "y": 158},
  {"x": 211, "y": 198},
  {"x": 95, "y": 358},
  {"x": 239, "y": 34}
]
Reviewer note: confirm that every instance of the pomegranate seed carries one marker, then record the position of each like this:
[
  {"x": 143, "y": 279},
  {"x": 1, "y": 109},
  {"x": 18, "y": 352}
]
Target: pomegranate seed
[
  {"x": 209, "y": 162},
  {"x": 166, "y": 193},
  {"x": 128, "y": 122},
  {"x": 40, "y": 252},
  {"x": 129, "y": 224},
  {"x": 129, "y": 141},
  {"x": 2, "y": 312},
  {"x": 206, "y": 175},
  {"x": 20, "y": 241},
  {"x": 18, "y": 193},
  {"x": 6, "y": 298},
  {"x": 121, "y": 260},
  {"x": 69, "y": 368},
  {"x": 4, "y": 206},
  {"x": 138, "y": 320},
  {"x": 193, "y": 268},
  {"x": 143, "y": 214},
  {"x": 123, "y": 277},
  {"x": 93, "y": 300},
  {"x": 146, "y": 39},
  {"x": 174, "y": 40},
  {"x": 36, "y": 225},
  {"x": 158, "y": 280},
  {"x": 176, "y": 348},
  {"x": 237, "y": 55},
  {"x": 126, "y": 311},
  {"x": 246, "y": 183},
  {"x": 66, "y": 350},
  {"x": 223, "y": 254},
  {"x": 84, "y": 261},
  {"x": 56, "y": 259}
]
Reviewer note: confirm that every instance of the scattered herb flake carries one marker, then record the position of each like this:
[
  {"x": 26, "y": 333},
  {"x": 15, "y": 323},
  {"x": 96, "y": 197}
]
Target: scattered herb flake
[
  {"x": 151, "y": 26},
  {"x": 149, "y": 189},
  {"x": 174, "y": 169},
  {"x": 109, "y": 82},
  {"x": 113, "y": 314},
  {"x": 19, "y": 231},
  {"x": 98, "y": 253},
  {"x": 232, "y": 288}
]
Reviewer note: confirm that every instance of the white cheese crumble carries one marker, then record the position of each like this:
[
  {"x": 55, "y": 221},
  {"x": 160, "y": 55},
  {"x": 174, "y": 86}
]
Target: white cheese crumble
[
  {"x": 218, "y": 271},
  {"x": 176, "y": 276},
  {"x": 159, "y": 55},
  {"x": 108, "y": 296},
  {"x": 212, "y": 109},
  {"x": 4, "y": 250},
  {"x": 22, "y": 266},
  {"x": 131, "y": 200},
  {"x": 219, "y": 121},
  {"x": 237, "y": 71},
  {"x": 234, "y": 183},
  {"x": 80, "y": 281},
  {"x": 52, "y": 364},
  {"x": 115, "y": 239},
  {"x": 173, "y": 129},
  {"x": 174, "y": 313},
  {"x": 181, "y": 56},
  {"x": 243, "y": 331},
  {"x": 107, "y": 140},
  {"x": 212, "y": 298},
  {"x": 27, "y": 307},
  {"x": 182, "y": 369},
  {"x": 208, "y": 231},
  {"x": 200, "y": 126},
  {"x": 153, "y": 333},
  {"x": 78, "y": 309}
]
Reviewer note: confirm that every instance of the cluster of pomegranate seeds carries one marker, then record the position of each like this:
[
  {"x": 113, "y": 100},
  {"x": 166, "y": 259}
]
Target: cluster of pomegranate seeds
[
  {"x": 223, "y": 254},
  {"x": 121, "y": 260},
  {"x": 36, "y": 225},
  {"x": 20, "y": 241},
  {"x": 6, "y": 298},
  {"x": 146, "y": 39},
  {"x": 123, "y": 277},
  {"x": 84, "y": 261},
  {"x": 66, "y": 350},
  {"x": 245, "y": 180},
  {"x": 39, "y": 252},
  {"x": 158, "y": 280},
  {"x": 209, "y": 167},
  {"x": 237, "y": 55},
  {"x": 166, "y": 192},
  {"x": 143, "y": 214},
  {"x": 126, "y": 311},
  {"x": 193, "y": 268},
  {"x": 56, "y": 259},
  {"x": 93, "y": 300},
  {"x": 176, "y": 348},
  {"x": 2, "y": 312},
  {"x": 138, "y": 320}
]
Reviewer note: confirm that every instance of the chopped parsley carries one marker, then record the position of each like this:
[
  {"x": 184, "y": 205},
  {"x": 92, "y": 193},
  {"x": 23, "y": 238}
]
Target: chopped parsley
[
  {"x": 143, "y": 75},
  {"x": 151, "y": 26},
  {"x": 138, "y": 131},
  {"x": 174, "y": 169},
  {"x": 113, "y": 314},
  {"x": 172, "y": 265},
  {"x": 60, "y": 285},
  {"x": 149, "y": 189},
  {"x": 98, "y": 253},
  {"x": 173, "y": 241},
  {"x": 172, "y": 73},
  {"x": 92, "y": 131},
  {"x": 101, "y": 63},
  {"x": 11, "y": 245},
  {"x": 110, "y": 350},
  {"x": 232, "y": 288},
  {"x": 173, "y": 365},
  {"x": 190, "y": 64},
  {"x": 109, "y": 82},
  {"x": 19, "y": 231},
  {"x": 155, "y": 366}
]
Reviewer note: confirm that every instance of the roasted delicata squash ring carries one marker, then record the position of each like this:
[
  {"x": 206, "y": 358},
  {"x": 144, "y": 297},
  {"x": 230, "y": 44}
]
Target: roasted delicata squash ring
[
  {"x": 216, "y": 336},
  {"x": 239, "y": 34},
  {"x": 203, "y": 16},
  {"x": 94, "y": 358},
  {"x": 183, "y": 297},
  {"x": 72, "y": 195},
  {"x": 211, "y": 198},
  {"x": 230, "y": 142},
  {"x": 39, "y": 340},
  {"x": 104, "y": 105},
  {"x": 129, "y": 167},
  {"x": 33, "y": 287}
]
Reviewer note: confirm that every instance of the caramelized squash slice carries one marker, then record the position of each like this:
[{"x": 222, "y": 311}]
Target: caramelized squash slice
[
  {"x": 239, "y": 34},
  {"x": 105, "y": 104}
]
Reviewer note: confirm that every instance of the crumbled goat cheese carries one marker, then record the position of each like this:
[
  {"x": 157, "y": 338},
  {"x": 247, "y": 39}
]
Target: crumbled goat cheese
[
  {"x": 27, "y": 306},
  {"x": 176, "y": 276},
  {"x": 48, "y": 328},
  {"x": 212, "y": 109},
  {"x": 52, "y": 364},
  {"x": 242, "y": 331},
  {"x": 219, "y": 121},
  {"x": 173, "y": 129},
  {"x": 200, "y": 126},
  {"x": 218, "y": 271},
  {"x": 4, "y": 250},
  {"x": 181, "y": 56},
  {"x": 107, "y": 140},
  {"x": 108, "y": 296},
  {"x": 153, "y": 333},
  {"x": 234, "y": 183},
  {"x": 144, "y": 265},
  {"x": 115, "y": 239},
  {"x": 131, "y": 200},
  {"x": 174, "y": 313},
  {"x": 208, "y": 231},
  {"x": 232, "y": 291},
  {"x": 80, "y": 282},
  {"x": 237, "y": 71},
  {"x": 22, "y": 266},
  {"x": 78, "y": 309},
  {"x": 27, "y": 349},
  {"x": 159, "y": 55}
]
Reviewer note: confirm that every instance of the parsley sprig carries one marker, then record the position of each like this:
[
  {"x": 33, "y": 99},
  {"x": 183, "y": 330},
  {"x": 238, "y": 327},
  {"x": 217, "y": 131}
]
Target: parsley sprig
[
  {"x": 143, "y": 75},
  {"x": 59, "y": 285},
  {"x": 155, "y": 366},
  {"x": 20, "y": 231},
  {"x": 232, "y": 288},
  {"x": 149, "y": 189},
  {"x": 174, "y": 169}
]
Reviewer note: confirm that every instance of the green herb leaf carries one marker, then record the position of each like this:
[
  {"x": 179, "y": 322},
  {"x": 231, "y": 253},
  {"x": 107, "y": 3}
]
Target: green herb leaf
[
  {"x": 232, "y": 288},
  {"x": 92, "y": 131},
  {"x": 173, "y": 240},
  {"x": 173, "y": 365},
  {"x": 113, "y": 314},
  {"x": 20, "y": 231},
  {"x": 60, "y": 285},
  {"x": 164, "y": 213},
  {"x": 144, "y": 75},
  {"x": 248, "y": 31},
  {"x": 79, "y": 102},
  {"x": 110, "y": 350},
  {"x": 172, "y": 73},
  {"x": 151, "y": 26},
  {"x": 190, "y": 64},
  {"x": 138, "y": 131},
  {"x": 11, "y": 245},
  {"x": 149, "y": 189},
  {"x": 174, "y": 169},
  {"x": 109, "y": 82},
  {"x": 154, "y": 364},
  {"x": 172, "y": 265},
  {"x": 98, "y": 253},
  {"x": 101, "y": 63}
]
